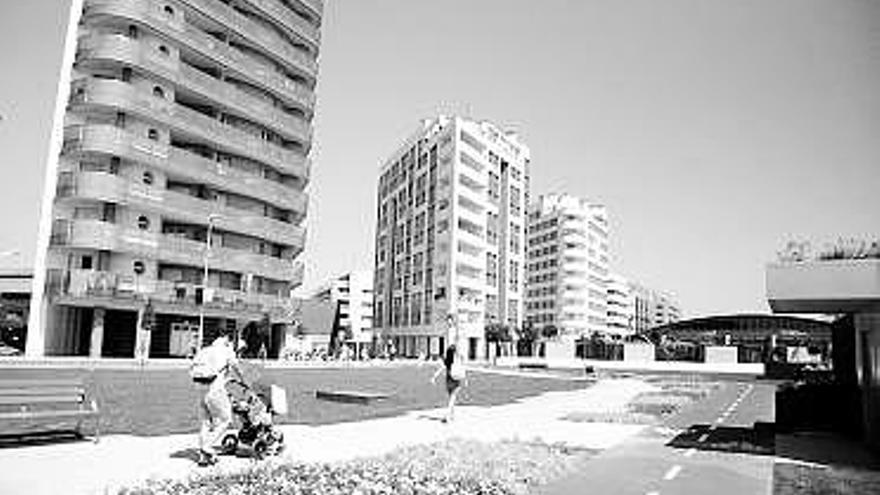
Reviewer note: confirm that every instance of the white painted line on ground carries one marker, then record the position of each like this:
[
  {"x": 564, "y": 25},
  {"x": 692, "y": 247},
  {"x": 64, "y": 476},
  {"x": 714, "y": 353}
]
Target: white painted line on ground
[
  {"x": 703, "y": 437},
  {"x": 691, "y": 451},
  {"x": 672, "y": 473},
  {"x": 713, "y": 427},
  {"x": 719, "y": 420},
  {"x": 653, "y": 493}
]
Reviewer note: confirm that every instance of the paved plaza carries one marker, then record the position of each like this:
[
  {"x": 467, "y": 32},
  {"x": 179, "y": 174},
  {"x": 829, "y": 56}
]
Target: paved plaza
[{"x": 123, "y": 460}]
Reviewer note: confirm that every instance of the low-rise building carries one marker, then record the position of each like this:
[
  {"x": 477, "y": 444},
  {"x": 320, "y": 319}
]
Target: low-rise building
[{"x": 352, "y": 297}]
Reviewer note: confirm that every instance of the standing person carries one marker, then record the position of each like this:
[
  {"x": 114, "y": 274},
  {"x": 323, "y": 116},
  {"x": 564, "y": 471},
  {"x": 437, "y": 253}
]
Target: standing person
[
  {"x": 212, "y": 368},
  {"x": 455, "y": 378}
]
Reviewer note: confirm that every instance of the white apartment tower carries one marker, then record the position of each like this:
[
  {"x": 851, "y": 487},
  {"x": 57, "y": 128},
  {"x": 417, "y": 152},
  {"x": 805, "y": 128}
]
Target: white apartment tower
[
  {"x": 175, "y": 197},
  {"x": 621, "y": 305},
  {"x": 450, "y": 236},
  {"x": 352, "y": 293},
  {"x": 567, "y": 266}
]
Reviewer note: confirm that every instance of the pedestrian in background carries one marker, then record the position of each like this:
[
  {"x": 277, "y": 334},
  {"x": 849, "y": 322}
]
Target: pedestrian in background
[{"x": 456, "y": 377}]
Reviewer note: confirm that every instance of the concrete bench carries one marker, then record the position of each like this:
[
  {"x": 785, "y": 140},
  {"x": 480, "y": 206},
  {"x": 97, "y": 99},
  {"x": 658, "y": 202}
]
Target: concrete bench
[
  {"x": 30, "y": 407},
  {"x": 350, "y": 396}
]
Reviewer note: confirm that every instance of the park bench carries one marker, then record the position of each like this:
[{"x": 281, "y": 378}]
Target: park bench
[
  {"x": 30, "y": 407},
  {"x": 350, "y": 396}
]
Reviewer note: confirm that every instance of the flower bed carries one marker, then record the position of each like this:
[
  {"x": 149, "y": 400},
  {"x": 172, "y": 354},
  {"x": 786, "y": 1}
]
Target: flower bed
[{"x": 452, "y": 467}]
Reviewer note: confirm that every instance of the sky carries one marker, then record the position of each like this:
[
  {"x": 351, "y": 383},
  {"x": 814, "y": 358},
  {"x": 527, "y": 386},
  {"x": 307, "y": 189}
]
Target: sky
[{"x": 714, "y": 131}]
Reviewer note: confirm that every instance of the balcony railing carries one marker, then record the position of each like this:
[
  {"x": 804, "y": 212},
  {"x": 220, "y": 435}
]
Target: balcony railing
[
  {"x": 255, "y": 72},
  {"x": 121, "y": 95},
  {"x": 107, "y": 187},
  {"x": 294, "y": 58},
  {"x": 108, "y": 139},
  {"x": 95, "y": 234},
  {"x": 123, "y": 50},
  {"x": 291, "y": 21},
  {"x": 93, "y": 283}
]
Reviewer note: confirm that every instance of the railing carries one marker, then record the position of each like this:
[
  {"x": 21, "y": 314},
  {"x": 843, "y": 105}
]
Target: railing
[
  {"x": 842, "y": 249},
  {"x": 293, "y": 22},
  {"x": 108, "y": 187},
  {"x": 94, "y": 283},
  {"x": 103, "y": 138},
  {"x": 268, "y": 40},
  {"x": 117, "y": 94},
  {"x": 257, "y": 73},
  {"x": 95, "y": 234}
]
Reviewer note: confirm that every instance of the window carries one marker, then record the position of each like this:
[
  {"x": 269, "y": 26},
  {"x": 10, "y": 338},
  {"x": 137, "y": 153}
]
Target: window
[
  {"x": 153, "y": 134},
  {"x": 514, "y": 276},
  {"x": 492, "y": 228},
  {"x": 86, "y": 262},
  {"x": 494, "y": 190},
  {"x": 515, "y": 208},
  {"x": 158, "y": 92},
  {"x": 133, "y": 32},
  {"x": 168, "y": 10},
  {"x": 163, "y": 50},
  {"x": 514, "y": 238},
  {"x": 148, "y": 178},
  {"x": 491, "y": 269},
  {"x": 143, "y": 222}
]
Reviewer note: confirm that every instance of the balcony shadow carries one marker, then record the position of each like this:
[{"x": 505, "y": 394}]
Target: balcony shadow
[{"x": 757, "y": 440}]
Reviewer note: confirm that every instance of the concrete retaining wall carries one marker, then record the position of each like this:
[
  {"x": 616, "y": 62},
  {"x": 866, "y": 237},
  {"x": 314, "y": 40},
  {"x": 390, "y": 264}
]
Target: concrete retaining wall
[{"x": 721, "y": 354}]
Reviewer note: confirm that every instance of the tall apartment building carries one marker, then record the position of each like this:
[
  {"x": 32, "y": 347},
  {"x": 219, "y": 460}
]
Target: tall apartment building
[
  {"x": 352, "y": 295},
  {"x": 652, "y": 308},
  {"x": 567, "y": 266},
  {"x": 621, "y": 305},
  {"x": 177, "y": 200},
  {"x": 450, "y": 236}
]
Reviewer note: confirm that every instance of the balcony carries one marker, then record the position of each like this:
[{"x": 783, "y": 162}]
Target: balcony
[
  {"x": 98, "y": 235},
  {"x": 98, "y": 49},
  {"x": 111, "y": 140},
  {"x": 174, "y": 205},
  {"x": 117, "y": 95},
  {"x": 293, "y": 58},
  {"x": 259, "y": 74},
  {"x": 111, "y": 289},
  {"x": 293, "y": 23},
  {"x": 824, "y": 286}
]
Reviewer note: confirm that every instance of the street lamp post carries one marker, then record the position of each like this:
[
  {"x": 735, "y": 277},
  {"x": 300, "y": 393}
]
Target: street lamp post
[{"x": 201, "y": 334}]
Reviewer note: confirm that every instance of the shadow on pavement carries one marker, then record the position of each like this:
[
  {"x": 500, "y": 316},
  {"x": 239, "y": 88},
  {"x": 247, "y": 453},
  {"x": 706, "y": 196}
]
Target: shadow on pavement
[
  {"x": 13, "y": 441},
  {"x": 827, "y": 449},
  {"x": 191, "y": 454},
  {"x": 758, "y": 440}
]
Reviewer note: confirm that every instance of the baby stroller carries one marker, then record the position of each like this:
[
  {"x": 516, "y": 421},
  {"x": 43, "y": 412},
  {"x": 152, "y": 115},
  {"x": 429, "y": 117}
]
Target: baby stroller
[{"x": 255, "y": 413}]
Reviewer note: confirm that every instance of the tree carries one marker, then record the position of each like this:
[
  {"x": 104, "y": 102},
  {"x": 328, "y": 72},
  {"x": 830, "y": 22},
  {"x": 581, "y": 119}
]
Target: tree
[
  {"x": 529, "y": 336},
  {"x": 497, "y": 333},
  {"x": 549, "y": 332}
]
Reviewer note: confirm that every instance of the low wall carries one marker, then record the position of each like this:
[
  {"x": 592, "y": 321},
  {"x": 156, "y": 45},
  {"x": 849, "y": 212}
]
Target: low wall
[
  {"x": 638, "y": 352},
  {"x": 721, "y": 354},
  {"x": 755, "y": 369}
]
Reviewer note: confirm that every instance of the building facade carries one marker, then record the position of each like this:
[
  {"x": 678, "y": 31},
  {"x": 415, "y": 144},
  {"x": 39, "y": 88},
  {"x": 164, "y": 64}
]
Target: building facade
[
  {"x": 178, "y": 195},
  {"x": 450, "y": 237},
  {"x": 352, "y": 295},
  {"x": 621, "y": 306},
  {"x": 567, "y": 273},
  {"x": 652, "y": 308}
]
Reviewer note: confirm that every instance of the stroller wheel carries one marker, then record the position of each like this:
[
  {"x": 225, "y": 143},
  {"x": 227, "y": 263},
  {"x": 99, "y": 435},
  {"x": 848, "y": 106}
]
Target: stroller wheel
[
  {"x": 230, "y": 444},
  {"x": 260, "y": 448}
]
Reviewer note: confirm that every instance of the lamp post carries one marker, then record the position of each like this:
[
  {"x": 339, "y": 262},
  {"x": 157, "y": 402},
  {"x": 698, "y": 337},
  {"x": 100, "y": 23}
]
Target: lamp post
[{"x": 201, "y": 334}]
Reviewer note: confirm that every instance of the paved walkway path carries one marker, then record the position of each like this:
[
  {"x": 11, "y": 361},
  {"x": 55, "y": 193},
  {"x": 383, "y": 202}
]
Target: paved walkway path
[
  {"x": 645, "y": 465},
  {"x": 120, "y": 460}
]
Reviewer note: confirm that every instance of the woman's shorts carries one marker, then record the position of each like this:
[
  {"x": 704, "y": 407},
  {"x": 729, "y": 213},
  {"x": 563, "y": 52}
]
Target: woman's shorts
[{"x": 452, "y": 384}]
